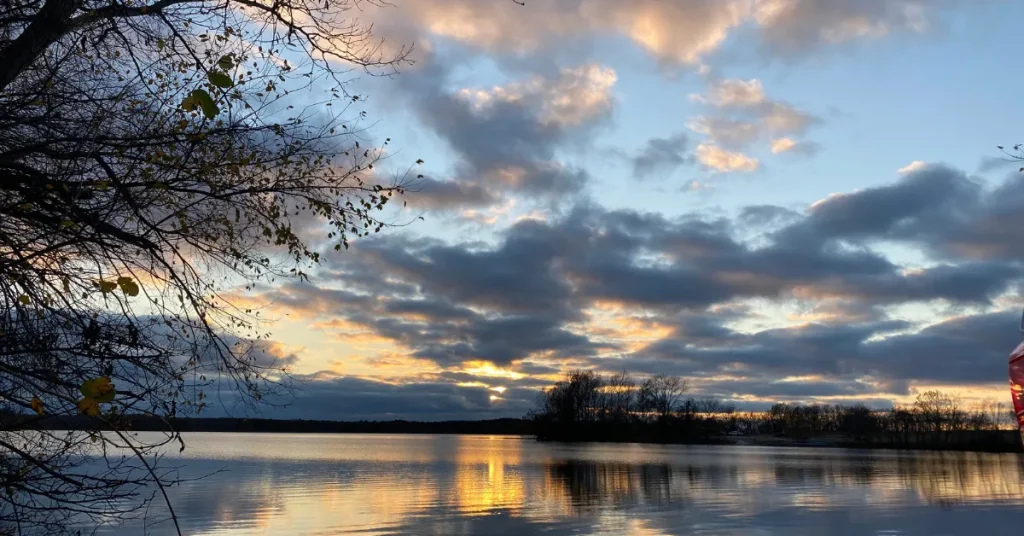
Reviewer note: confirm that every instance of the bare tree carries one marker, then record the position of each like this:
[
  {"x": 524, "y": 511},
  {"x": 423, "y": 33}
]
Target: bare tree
[
  {"x": 661, "y": 394},
  {"x": 619, "y": 397}
]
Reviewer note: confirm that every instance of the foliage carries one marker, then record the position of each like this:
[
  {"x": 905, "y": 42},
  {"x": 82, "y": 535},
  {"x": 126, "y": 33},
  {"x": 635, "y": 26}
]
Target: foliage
[{"x": 152, "y": 158}]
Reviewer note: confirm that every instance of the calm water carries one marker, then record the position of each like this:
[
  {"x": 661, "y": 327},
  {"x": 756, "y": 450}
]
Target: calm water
[{"x": 453, "y": 485}]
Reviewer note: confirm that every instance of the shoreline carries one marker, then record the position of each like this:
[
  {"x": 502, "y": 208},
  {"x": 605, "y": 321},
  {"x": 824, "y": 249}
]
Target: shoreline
[{"x": 992, "y": 441}]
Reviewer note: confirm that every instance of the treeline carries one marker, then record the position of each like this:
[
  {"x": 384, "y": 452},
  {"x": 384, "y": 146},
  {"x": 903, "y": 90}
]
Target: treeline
[
  {"x": 586, "y": 406},
  {"x": 934, "y": 420}
]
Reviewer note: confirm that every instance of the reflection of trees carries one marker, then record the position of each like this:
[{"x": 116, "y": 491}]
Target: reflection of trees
[
  {"x": 959, "y": 477},
  {"x": 938, "y": 477},
  {"x": 592, "y": 485}
]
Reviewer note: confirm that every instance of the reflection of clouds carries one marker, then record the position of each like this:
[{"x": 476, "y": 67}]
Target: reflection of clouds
[{"x": 393, "y": 484}]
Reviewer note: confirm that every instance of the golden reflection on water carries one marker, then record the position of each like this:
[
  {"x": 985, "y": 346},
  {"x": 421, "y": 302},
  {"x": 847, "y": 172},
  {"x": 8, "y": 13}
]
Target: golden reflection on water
[{"x": 377, "y": 484}]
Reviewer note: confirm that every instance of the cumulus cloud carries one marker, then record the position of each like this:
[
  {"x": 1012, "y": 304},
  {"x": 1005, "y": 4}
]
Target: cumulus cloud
[
  {"x": 506, "y": 136},
  {"x": 715, "y": 158},
  {"x": 578, "y": 95},
  {"x": 679, "y": 32},
  {"x": 744, "y": 115}
]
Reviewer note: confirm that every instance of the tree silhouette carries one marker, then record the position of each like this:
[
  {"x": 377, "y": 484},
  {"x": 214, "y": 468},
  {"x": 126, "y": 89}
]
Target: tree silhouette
[{"x": 154, "y": 156}]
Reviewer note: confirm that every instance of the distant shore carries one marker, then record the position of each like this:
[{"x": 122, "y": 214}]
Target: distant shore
[{"x": 987, "y": 441}]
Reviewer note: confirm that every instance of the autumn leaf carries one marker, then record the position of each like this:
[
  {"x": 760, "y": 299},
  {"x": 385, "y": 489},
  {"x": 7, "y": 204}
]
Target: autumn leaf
[
  {"x": 24, "y": 299},
  {"x": 99, "y": 389},
  {"x": 106, "y": 286},
  {"x": 128, "y": 286},
  {"x": 37, "y": 405},
  {"x": 89, "y": 406}
]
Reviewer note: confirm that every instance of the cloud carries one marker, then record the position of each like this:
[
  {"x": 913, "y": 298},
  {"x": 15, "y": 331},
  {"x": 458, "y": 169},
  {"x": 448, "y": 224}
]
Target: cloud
[
  {"x": 792, "y": 27},
  {"x": 717, "y": 159},
  {"x": 529, "y": 293},
  {"x": 992, "y": 163},
  {"x": 783, "y": 145},
  {"x": 352, "y": 398},
  {"x": 916, "y": 165},
  {"x": 788, "y": 145},
  {"x": 732, "y": 133},
  {"x": 678, "y": 32},
  {"x": 580, "y": 94},
  {"x": 443, "y": 194},
  {"x": 506, "y": 137},
  {"x": 734, "y": 93},
  {"x": 681, "y": 32},
  {"x": 662, "y": 155},
  {"x": 550, "y": 294},
  {"x": 744, "y": 115}
]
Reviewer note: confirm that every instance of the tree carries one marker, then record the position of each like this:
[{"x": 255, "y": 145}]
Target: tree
[
  {"x": 574, "y": 400},
  {"x": 660, "y": 394},
  {"x": 619, "y": 397},
  {"x": 153, "y": 159},
  {"x": 940, "y": 412}
]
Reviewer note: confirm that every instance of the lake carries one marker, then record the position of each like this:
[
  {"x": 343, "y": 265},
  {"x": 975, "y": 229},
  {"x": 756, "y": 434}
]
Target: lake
[{"x": 285, "y": 484}]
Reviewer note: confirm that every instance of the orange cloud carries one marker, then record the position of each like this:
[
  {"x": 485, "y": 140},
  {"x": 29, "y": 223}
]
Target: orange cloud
[{"x": 718, "y": 159}]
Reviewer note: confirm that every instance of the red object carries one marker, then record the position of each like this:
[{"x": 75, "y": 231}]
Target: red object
[{"x": 1017, "y": 385}]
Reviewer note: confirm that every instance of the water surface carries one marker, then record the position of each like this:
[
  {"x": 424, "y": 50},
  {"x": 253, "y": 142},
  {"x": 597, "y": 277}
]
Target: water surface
[{"x": 278, "y": 484}]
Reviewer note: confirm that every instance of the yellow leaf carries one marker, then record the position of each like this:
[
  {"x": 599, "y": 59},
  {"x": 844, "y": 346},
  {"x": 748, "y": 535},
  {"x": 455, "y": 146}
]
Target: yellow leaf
[
  {"x": 37, "y": 405},
  {"x": 89, "y": 406},
  {"x": 24, "y": 299},
  {"x": 128, "y": 286},
  {"x": 99, "y": 389}
]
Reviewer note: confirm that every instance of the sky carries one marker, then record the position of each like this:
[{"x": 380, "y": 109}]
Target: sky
[{"x": 778, "y": 200}]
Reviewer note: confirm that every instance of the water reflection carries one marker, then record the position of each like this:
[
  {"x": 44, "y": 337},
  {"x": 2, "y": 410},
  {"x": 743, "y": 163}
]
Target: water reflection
[{"x": 477, "y": 485}]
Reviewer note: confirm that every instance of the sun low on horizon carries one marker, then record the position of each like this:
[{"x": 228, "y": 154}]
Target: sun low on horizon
[{"x": 777, "y": 200}]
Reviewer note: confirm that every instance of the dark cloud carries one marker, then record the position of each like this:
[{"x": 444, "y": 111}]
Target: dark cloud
[
  {"x": 506, "y": 138},
  {"x": 503, "y": 340},
  {"x": 992, "y": 163},
  {"x": 934, "y": 208},
  {"x": 662, "y": 155},
  {"x": 766, "y": 215},
  {"x": 326, "y": 396},
  {"x": 442, "y": 194},
  {"x": 966, "y": 350},
  {"x": 524, "y": 300},
  {"x": 523, "y": 295},
  {"x": 924, "y": 203}
]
